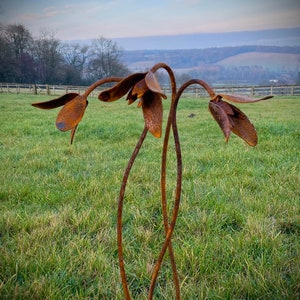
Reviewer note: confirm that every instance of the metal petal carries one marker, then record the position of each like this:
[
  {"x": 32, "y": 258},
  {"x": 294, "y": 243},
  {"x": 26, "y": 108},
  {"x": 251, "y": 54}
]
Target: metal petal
[
  {"x": 55, "y": 102},
  {"x": 153, "y": 112},
  {"x": 121, "y": 88},
  {"x": 242, "y": 99},
  {"x": 242, "y": 126},
  {"x": 71, "y": 114},
  {"x": 139, "y": 89},
  {"x": 219, "y": 113},
  {"x": 130, "y": 97},
  {"x": 153, "y": 84}
]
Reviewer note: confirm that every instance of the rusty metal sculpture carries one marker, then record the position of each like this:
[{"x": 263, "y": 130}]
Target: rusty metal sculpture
[{"x": 146, "y": 88}]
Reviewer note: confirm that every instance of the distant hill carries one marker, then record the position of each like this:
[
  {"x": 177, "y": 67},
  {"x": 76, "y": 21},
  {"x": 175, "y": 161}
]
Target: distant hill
[
  {"x": 274, "y": 37},
  {"x": 242, "y": 64},
  {"x": 272, "y": 57},
  {"x": 272, "y": 61}
]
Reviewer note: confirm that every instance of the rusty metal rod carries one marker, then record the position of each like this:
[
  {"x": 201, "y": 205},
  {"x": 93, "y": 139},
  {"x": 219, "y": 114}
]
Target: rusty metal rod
[
  {"x": 179, "y": 176},
  {"x": 120, "y": 211},
  {"x": 164, "y": 174}
]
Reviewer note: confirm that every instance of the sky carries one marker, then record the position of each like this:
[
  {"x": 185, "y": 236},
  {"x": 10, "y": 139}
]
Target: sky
[{"x": 90, "y": 19}]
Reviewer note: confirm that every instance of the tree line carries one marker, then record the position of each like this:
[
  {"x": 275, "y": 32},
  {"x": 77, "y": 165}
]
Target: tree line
[{"x": 46, "y": 59}]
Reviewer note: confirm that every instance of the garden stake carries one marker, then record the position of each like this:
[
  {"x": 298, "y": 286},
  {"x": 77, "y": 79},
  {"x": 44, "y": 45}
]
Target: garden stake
[
  {"x": 139, "y": 90},
  {"x": 120, "y": 211},
  {"x": 163, "y": 174},
  {"x": 145, "y": 87},
  {"x": 243, "y": 128}
]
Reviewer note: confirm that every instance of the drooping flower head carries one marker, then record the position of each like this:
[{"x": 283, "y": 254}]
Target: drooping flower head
[
  {"x": 232, "y": 119},
  {"x": 70, "y": 115},
  {"x": 74, "y": 106},
  {"x": 143, "y": 86}
]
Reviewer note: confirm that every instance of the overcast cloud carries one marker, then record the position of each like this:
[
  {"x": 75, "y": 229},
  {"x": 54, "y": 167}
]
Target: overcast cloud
[{"x": 74, "y": 19}]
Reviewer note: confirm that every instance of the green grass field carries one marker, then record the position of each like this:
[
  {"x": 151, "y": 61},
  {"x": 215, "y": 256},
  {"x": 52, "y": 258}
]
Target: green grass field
[{"x": 237, "y": 234}]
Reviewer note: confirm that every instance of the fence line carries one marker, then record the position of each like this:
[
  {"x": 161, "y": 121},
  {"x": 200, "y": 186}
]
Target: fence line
[{"x": 192, "y": 91}]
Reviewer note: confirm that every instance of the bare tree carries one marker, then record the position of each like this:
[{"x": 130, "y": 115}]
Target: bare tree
[
  {"x": 183, "y": 77},
  {"x": 75, "y": 55},
  {"x": 17, "y": 52},
  {"x": 75, "y": 58},
  {"x": 7, "y": 60},
  {"x": 105, "y": 59},
  {"x": 20, "y": 39},
  {"x": 48, "y": 58}
]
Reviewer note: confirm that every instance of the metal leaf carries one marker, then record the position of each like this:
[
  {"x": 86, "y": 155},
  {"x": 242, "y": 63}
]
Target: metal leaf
[
  {"x": 55, "y": 102},
  {"x": 242, "y": 99},
  {"x": 139, "y": 89},
  {"x": 221, "y": 117},
  {"x": 71, "y": 114},
  {"x": 242, "y": 126},
  {"x": 131, "y": 97},
  {"x": 153, "y": 112},
  {"x": 121, "y": 88},
  {"x": 153, "y": 84}
]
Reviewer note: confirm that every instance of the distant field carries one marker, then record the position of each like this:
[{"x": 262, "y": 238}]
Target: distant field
[
  {"x": 273, "y": 61},
  {"x": 237, "y": 235}
]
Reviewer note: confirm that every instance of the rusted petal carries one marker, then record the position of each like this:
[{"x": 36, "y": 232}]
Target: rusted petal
[
  {"x": 121, "y": 88},
  {"x": 243, "y": 99},
  {"x": 140, "y": 103},
  {"x": 221, "y": 117},
  {"x": 226, "y": 107},
  {"x": 153, "y": 84},
  {"x": 55, "y": 102},
  {"x": 242, "y": 126},
  {"x": 153, "y": 112},
  {"x": 71, "y": 114},
  {"x": 130, "y": 97},
  {"x": 139, "y": 89}
]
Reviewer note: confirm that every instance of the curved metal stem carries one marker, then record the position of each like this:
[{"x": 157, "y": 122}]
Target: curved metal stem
[
  {"x": 100, "y": 82},
  {"x": 163, "y": 180},
  {"x": 179, "y": 176},
  {"x": 172, "y": 122},
  {"x": 176, "y": 203},
  {"x": 120, "y": 212},
  {"x": 123, "y": 186}
]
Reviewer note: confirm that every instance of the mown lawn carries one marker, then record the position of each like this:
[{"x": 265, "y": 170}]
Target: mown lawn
[{"x": 237, "y": 235}]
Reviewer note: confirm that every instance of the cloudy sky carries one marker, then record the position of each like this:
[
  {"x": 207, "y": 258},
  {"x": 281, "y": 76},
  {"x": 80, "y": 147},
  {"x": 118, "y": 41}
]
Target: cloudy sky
[{"x": 88, "y": 19}]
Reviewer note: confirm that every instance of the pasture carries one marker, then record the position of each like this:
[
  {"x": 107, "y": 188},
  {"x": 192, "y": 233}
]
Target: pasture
[{"x": 237, "y": 234}]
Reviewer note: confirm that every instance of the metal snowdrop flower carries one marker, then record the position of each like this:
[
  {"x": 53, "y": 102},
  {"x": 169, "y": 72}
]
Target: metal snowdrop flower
[
  {"x": 70, "y": 115},
  {"x": 74, "y": 106},
  {"x": 143, "y": 86},
  {"x": 232, "y": 119}
]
